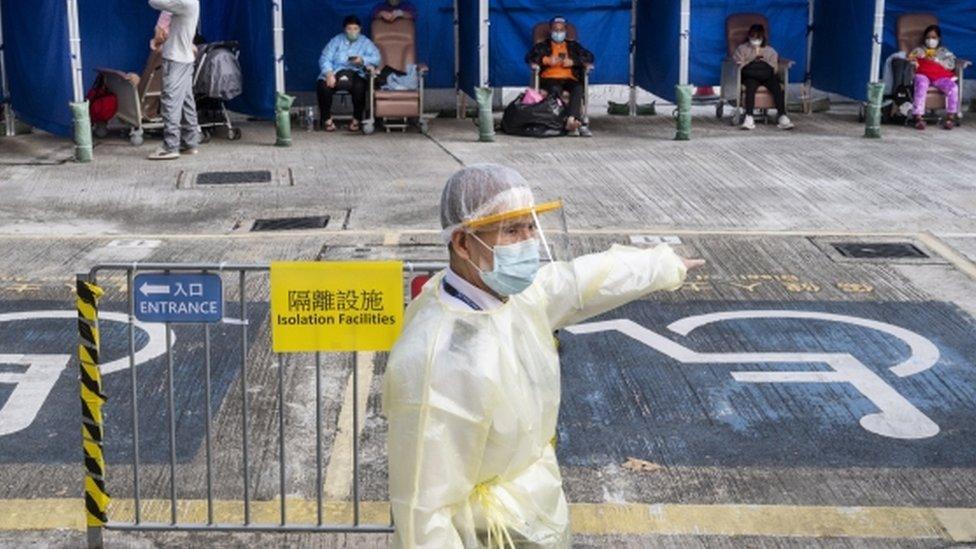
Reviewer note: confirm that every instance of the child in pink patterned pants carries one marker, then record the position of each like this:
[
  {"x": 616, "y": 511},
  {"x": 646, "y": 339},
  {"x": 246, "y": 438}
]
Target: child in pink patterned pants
[{"x": 934, "y": 66}]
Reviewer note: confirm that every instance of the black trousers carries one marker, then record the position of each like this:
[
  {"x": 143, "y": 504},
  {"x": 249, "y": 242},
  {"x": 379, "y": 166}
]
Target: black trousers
[
  {"x": 575, "y": 88},
  {"x": 350, "y": 81},
  {"x": 760, "y": 73}
]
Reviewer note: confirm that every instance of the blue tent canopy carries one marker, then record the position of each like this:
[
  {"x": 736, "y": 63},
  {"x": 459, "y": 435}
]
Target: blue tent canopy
[
  {"x": 658, "y": 33},
  {"x": 310, "y": 24},
  {"x": 843, "y": 38},
  {"x": 469, "y": 69},
  {"x": 603, "y": 27},
  {"x": 115, "y": 34},
  {"x": 38, "y": 68},
  {"x": 249, "y": 23},
  {"x": 656, "y": 59}
]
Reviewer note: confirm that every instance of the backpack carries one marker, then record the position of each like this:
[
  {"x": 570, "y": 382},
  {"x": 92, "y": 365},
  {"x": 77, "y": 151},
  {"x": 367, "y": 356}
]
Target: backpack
[
  {"x": 902, "y": 92},
  {"x": 543, "y": 119},
  {"x": 102, "y": 103}
]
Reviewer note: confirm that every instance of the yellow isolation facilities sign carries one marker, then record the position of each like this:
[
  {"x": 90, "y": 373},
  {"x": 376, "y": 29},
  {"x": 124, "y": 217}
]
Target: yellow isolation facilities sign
[{"x": 336, "y": 305}]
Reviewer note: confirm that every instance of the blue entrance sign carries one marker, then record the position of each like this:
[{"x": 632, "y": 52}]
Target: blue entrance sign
[{"x": 178, "y": 297}]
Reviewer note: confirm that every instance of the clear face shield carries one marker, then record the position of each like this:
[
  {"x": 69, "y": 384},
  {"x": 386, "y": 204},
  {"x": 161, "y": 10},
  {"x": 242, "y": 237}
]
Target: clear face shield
[
  {"x": 542, "y": 224},
  {"x": 509, "y": 247}
]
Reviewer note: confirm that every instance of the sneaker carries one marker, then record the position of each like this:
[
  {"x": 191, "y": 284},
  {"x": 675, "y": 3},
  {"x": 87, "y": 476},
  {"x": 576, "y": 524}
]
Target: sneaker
[
  {"x": 186, "y": 150},
  {"x": 584, "y": 131},
  {"x": 748, "y": 123},
  {"x": 163, "y": 153},
  {"x": 784, "y": 122},
  {"x": 919, "y": 123}
]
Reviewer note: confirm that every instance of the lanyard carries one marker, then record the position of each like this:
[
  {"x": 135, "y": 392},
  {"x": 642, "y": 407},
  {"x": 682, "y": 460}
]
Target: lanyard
[{"x": 455, "y": 293}]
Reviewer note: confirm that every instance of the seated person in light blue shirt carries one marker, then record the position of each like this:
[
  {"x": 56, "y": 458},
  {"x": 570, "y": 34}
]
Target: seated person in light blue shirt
[{"x": 343, "y": 65}]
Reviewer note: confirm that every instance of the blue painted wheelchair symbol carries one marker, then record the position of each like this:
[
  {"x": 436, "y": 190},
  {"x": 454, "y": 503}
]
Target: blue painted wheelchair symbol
[{"x": 897, "y": 417}]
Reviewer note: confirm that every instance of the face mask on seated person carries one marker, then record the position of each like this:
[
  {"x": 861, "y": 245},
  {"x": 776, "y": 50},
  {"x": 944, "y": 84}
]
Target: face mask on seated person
[
  {"x": 755, "y": 42},
  {"x": 931, "y": 43},
  {"x": 558, "y": 37},
  {"x": 352, "y": 35}
]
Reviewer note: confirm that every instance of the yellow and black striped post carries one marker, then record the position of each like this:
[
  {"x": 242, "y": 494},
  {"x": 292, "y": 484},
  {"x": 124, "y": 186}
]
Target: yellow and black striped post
[{"x": 92, "y": 399}]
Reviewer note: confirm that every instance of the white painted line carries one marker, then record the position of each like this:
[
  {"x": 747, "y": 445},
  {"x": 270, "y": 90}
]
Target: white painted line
[{"x": 897, "y": 418}]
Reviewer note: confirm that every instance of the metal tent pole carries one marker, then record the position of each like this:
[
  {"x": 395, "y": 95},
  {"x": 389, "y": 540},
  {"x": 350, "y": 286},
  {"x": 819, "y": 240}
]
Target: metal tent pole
[
  {"x": 279, "y": 44},
  {"x": 876, "y": 37},
  {"x": 283, "y": 101},
  {"x": 79, "y": 107},
  {"x": 8, "y": 113},
  {"x": 632, "y": 100},
  {"x": 683, "y": 91},
  {"x": 74, "y": 46},
  {"x": 483, "y": 60},
  {"x": 486, "y": 121},
  {"x": 872, "y": 119},
  {"x": 684, "y": 46},
  {"x": 807, "y": 94}
]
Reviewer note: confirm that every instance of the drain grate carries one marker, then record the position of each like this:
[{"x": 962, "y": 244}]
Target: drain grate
[
  {"x": 879, "y": 250},
  {"x": 291, "y": 223},
  {"x": 233, "y": 178}
]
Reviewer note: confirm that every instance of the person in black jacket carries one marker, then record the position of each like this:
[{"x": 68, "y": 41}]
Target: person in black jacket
[{"x": 563, "y": 65}]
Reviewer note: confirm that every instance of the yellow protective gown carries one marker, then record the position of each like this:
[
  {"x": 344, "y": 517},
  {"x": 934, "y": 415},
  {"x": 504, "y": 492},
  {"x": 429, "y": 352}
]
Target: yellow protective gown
[{"x": 472, "y": 399}]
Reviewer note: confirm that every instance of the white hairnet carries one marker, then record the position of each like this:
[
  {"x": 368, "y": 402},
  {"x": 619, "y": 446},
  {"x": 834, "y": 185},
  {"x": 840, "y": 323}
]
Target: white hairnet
[{"x": 481, "y": 190}]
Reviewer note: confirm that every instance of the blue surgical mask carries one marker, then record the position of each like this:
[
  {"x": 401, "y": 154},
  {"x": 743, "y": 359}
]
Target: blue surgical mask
[
  {"x": 515, "y": 267},
  {"x": 558, "y": 36}
]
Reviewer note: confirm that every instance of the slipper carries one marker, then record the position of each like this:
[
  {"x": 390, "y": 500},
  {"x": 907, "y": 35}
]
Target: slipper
[
  {"x": 354, "y": 126},
  {"x": 330, "y": 126}
]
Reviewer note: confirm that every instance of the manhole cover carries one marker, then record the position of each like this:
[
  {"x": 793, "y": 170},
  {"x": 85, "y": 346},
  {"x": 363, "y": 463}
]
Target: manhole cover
[
  {"x": 878, "y": 250},
  {"x": 233, "y": 178},
  {"x": 291, "y": 223}
]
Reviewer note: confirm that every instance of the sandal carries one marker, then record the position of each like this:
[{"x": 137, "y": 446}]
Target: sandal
[
  {"x": 354, "y": 126},
  {"x": 329, "y": 125}
]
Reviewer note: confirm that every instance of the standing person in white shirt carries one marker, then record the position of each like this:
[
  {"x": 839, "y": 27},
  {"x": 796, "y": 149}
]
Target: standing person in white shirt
[{"x": 181, "y": 134}]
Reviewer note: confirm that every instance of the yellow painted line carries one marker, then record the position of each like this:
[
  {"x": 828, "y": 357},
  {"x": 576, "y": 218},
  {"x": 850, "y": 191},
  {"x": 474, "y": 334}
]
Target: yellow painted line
[
  {"x": 948, "y": 253},
  {"x": 951, "y": 524},
  {"x": 338, "y": 473}
]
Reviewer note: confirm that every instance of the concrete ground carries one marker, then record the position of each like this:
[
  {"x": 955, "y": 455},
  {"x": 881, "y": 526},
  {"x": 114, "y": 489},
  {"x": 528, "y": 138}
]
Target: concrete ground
[{"x": 658, "y": 447}]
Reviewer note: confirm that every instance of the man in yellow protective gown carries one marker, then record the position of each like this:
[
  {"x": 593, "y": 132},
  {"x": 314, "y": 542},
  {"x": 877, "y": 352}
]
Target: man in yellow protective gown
[{"x": 471, "y": 389}]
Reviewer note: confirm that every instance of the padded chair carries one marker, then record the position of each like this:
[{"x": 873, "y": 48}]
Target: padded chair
[
  {"x": 540, "y": 33},
  {"x": 397, "y": 43},
  {"x": 909, "y": 31},
  {"x": 139, "y": 98},
  {"x": 733, "y": 92}
]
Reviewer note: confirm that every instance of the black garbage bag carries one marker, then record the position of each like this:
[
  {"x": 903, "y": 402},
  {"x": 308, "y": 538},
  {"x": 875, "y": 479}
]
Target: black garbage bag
[{"x": 544, "y": 119}]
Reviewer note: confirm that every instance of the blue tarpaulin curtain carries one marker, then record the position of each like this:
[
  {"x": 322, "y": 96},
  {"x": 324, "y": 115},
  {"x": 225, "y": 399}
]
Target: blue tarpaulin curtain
[
  {"x": 469, "y": 18},
  {"x": 842, "y": 39},
  {"x": 249, "y": 23},
  {"x": 841, "y": 60},
  {"x": 310, "y": 24},
  {"x": 38, "y": 66},
  {"x": 787, "y": 34},
  {"x": 115, "y": 34},
  {"x": 603, "y": 27},
  {"x": 656, "y": 60},
  {"x": 658, "y": 34}
]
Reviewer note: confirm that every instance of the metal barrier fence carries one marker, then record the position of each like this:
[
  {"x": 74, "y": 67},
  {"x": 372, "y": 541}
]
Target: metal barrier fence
[{"x": 96, "y": 496}]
